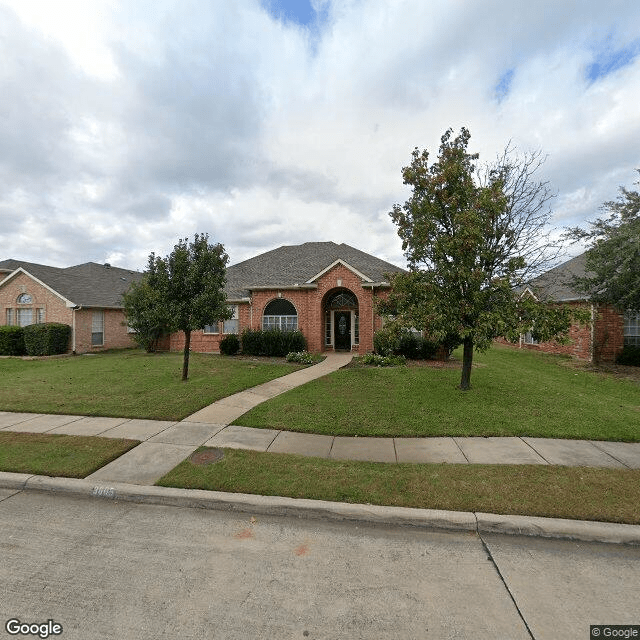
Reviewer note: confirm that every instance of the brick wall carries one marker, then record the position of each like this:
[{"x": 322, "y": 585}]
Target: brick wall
[
  {"x": 600, "y": 343},
  {"x": 116, "y": 335},
  {"x": 608, "y": 334},
  {"x": 55, "y": 310},
  {"x": 54, "y": 307},
  {"x": 309, "y": 304}
]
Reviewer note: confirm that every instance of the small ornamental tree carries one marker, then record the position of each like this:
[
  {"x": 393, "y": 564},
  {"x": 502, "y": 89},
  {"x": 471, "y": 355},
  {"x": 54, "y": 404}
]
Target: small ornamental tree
[
  {"x": 188, "y": 285},
  {"x": 146, "y": 315},
  {"x": 470, "y": 239},
  {"x": 613, "y": 258}
]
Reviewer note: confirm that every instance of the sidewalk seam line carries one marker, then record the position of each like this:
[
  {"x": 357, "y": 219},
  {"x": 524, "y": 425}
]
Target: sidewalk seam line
[
  {"x": 464, "y": 455},
  {"x": 594, "y": 443},
  {"x": 534, "y": 449}
]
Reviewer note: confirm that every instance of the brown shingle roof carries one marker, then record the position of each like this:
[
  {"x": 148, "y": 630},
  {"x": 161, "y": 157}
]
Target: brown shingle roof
[
  {"x": 293, "y": 265},
  {"x": 556, "y": 284},
  {"x": 88, "y": 285}
]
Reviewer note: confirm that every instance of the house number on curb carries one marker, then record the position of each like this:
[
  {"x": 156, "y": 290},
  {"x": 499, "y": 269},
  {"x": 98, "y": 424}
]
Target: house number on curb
[{"x": 104, "y": 492}]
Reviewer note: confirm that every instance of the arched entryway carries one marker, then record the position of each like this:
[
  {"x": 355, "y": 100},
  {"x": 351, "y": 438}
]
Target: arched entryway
[{"x": 341, "y": 320}]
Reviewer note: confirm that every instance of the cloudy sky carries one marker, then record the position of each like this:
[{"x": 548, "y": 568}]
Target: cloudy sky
[{"x": 125, "y": 125}]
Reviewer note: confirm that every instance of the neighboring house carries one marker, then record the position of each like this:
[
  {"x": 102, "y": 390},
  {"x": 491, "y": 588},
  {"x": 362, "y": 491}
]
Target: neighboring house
[
  {"x": 323, "y": 289},
  {"x": 610, "y": 329},
  {"x": 87, "y": 297}
]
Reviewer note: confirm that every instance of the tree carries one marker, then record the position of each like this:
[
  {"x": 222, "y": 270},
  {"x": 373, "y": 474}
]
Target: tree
[
  {"x": 188, "y": 287},
  {"x": 470, "y": 238},
  {"x": 146, "y": 314},
  {"x": 613, "y": 258}
]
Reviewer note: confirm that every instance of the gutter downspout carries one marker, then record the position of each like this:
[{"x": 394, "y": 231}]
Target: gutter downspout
[{"x": 73, "y": 330}]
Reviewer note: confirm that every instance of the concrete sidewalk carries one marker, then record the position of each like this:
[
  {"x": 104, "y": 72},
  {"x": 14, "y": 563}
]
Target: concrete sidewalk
[{"x": 165, "y": 444}]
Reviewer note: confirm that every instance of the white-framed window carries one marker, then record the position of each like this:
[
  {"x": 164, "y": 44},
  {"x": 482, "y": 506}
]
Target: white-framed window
[
  {"x": 24, "y": 317},
  {"x": 39, "y": 316},
  {"x": 528, "y": 338},
  {"x": 211, "y": 328},
  {"x": 97, "y": 328},
  {"x": 25, "y": 298},
  {"x": 231, "y": 325},
  {"x": 280, "y": 314},
  {"x": 631, "y": 328},
  {"x": 356, "y": 328},
  {"x": 9, "y": 317}
]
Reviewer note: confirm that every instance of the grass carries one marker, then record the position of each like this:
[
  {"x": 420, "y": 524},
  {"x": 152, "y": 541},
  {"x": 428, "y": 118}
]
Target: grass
[
  {"x": 129, "y": 384},
  {"x": 605, "y": 495},
  {"x": 58, "y": 455},
  {"x": 514, "y": 393}
]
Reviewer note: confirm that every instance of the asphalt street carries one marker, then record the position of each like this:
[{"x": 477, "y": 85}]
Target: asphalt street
[{"x": 108, "y": 569}]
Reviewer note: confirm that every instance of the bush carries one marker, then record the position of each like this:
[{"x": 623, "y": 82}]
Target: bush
[
  {"x": 382, "y": 361},
  {"x": 12, "y": 341},
  {"x": 391, "y": 340},
  {"x": 230, "y": 345},
  {"x": 48, "y": 339},
  {"x": 272, "y": 342},
  {"x": 303, "y": 357},
  {"x": 629, "y": 355}
]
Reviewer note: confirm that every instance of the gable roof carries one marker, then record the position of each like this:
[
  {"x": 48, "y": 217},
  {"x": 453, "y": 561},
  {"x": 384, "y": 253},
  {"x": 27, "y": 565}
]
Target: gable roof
[
  {"x": 87, "y": 285},
  {"x": 300, "y": 265},
  {"x": 556, "y": 284}
]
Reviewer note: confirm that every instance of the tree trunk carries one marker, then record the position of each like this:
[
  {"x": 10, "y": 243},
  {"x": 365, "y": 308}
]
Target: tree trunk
[
  {"x": 185, "y": 361},
  {"x": 467, "y": 359}
]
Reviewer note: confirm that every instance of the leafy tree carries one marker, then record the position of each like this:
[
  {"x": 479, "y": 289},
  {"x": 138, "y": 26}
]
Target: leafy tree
[
  {"x": 613, "y": 257},
  {"x": 470, "y": 238},
  {"x": 146, "y": 314},
  {"x": 188, "y": 287}
]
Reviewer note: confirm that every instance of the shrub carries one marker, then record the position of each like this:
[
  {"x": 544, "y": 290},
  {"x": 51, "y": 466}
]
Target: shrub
[
  {"x": 630, "y": 355},
  {"x": 272, "y": 342},
  {"x": 303, "y": 357},
  {"x": 230, "y": 345},
  {"x": 382, "y": 361},
  {"x": 12, "y": 341},
  {"x": 391, "y": 340},
  {"x": 386, "y": 341},
  {"x": 48, "y": 339}
]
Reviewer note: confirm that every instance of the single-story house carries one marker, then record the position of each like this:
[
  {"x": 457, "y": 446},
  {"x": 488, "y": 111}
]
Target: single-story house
[
  {"x": 610, "y": 329},
  {"x": 325, "y": 290},
  {"x": 87, "y": 297}
]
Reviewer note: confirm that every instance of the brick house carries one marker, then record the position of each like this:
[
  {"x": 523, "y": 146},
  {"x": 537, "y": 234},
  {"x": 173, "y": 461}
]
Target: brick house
[
  {"x": 325, "y": 290},
  {"x": 610, "y": 329},
  {"x": 87, "y": 297}
]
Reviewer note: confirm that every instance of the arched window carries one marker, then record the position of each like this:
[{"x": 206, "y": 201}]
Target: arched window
[
  {"x": 280, "y": 314},
  {"x": 342, "y": 300},
  {"x": 24, "y": 298}
]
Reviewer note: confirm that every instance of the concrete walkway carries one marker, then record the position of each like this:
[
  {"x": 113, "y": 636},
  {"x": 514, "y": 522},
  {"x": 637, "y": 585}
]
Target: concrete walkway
[{"x": 165, "y": 444}]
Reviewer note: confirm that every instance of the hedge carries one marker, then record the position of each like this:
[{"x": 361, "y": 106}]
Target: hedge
[
  {"x": 12, "y": 341},
  {"x": 272, "y": 342},
  {"x": 630, "y": 355},
  {"x": 230, "y": 345},
  {"x": 47, "y": 339}
]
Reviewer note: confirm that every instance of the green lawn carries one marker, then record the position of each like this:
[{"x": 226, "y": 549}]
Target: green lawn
[
  {"x": 607, "y": 495},
  {"x": 57, "y": 454},
  {"x": 129, "y": 384},
  {"x": 515, "y": 393}
]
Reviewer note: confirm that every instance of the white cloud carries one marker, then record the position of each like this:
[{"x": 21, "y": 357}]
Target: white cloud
[{"x": 134, "y": 124}]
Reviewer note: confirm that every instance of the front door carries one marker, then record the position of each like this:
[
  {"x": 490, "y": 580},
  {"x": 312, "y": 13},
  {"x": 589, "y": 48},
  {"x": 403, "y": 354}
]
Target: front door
[{"x": 342, "y": 330}]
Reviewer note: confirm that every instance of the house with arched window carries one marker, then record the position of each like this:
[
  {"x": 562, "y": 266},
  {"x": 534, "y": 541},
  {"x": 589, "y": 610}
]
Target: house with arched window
[{"x": 323, "y": 289}]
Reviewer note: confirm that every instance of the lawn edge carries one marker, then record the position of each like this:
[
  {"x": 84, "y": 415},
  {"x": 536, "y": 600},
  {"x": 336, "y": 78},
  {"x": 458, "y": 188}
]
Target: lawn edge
[{"x": 481, "y": 523}]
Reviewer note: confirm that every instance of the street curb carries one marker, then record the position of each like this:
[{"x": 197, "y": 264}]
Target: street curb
[{"x": 481, "y": 523}]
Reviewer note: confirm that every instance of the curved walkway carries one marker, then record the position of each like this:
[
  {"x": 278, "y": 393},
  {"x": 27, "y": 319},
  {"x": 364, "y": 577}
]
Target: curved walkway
[{"x": 165, "y": 444}]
